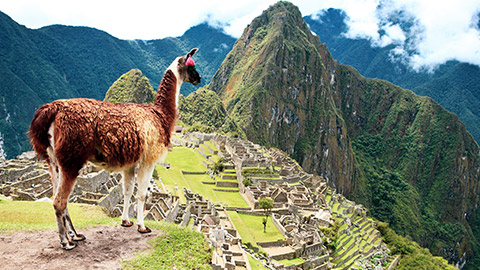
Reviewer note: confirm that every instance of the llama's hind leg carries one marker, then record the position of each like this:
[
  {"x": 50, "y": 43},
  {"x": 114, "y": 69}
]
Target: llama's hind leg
[
  {"x": 60, "y": 202},
  {"x": 71, "y": 230},
  {"x": 60, "y": 205},
  {"x": 144, "y": 175},
  {"x": 128, "y": 183}
]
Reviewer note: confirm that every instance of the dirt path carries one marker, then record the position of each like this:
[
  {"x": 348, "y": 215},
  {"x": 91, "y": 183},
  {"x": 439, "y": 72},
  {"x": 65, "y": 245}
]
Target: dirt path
[{"x": 104, "y": 248}]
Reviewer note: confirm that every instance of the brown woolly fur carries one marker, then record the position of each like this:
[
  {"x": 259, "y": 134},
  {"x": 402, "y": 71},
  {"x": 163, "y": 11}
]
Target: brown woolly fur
[
  {"x": 117, "y": 136},
  {"x": 110, "y": 134}
]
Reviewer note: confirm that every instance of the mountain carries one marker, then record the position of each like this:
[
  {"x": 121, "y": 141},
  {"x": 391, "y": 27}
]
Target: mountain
[
  {"x": 454, "y": 85},
  {"x": 57, "y": 61},
  {"x": 131, "y": 87},
  {"x": 410, "y": 161}
]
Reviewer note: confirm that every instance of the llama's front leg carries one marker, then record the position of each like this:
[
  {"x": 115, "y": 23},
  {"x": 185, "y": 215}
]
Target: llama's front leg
[
  {"x": 144, "y": 175},
  {"x": 71, "y": 230},
  {"x": 128, "y": 182}
]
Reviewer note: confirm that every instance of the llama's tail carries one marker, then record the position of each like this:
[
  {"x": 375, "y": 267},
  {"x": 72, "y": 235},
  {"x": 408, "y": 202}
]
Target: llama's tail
[{"x": 38, "y": 130}]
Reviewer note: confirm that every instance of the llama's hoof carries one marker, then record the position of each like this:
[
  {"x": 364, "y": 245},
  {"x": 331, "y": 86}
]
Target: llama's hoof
[
  {"x": 79, "y": 237},
  {"x": 127, "y": 223},
  {"x": 69, "y": 246},
  {"x": 146, "y": 230}
]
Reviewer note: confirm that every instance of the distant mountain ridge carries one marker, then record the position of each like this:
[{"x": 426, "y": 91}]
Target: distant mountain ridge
[
  {"x": 57, "y": 61},
  {"x": 454, "y": 85},
  {"x": 404, "y": 156}
]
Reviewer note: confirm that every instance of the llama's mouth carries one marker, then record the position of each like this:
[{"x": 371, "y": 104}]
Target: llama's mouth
[{"x": 196, "y": 82}]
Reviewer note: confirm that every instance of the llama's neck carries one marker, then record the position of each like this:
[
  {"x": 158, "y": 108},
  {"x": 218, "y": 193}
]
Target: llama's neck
[
  {"x": 166, "y": 98},
  {"x": 174, "y": 68},
  {"x": 166, "y": 102},
  {"x": 169, "y": 90}
]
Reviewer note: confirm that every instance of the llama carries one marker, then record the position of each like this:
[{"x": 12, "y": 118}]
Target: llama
[{"x": 118, "y": 137}]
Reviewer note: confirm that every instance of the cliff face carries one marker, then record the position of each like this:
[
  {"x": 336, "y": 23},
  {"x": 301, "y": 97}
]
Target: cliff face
[
  {"x": 404, "y": 156},
  {"x": 454, "y": 85}
]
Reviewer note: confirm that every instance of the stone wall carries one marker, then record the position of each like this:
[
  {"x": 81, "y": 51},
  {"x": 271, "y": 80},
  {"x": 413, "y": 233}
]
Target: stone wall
[
  {"x": 226, "y": 184},
  {"x": 92, "y": 182},
  {"x": 112, "y": 199},
  {"x": 173, "y": 212}
]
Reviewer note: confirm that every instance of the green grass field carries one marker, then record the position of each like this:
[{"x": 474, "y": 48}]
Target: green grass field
[
  {"x": 250, "y": 228},
  {"x": 176, "y": 248},
  {"x": 187, "y": 159},
  {"x": 30, "y": 216},
  {"x": 295, "y": 261},
  {"x": 254, "y": 264}
]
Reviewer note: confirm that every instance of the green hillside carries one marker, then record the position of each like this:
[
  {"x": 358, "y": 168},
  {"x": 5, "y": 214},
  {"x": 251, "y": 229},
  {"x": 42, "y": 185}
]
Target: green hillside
[
  {"x": 454, "y": 85},
  {"x": 204, "y": 111},
  {"x": 131, "y": 87}
]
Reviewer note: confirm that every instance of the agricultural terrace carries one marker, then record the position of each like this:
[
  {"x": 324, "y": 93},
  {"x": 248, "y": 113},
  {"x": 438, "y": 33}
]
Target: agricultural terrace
[{"x": 188, "y": 159}]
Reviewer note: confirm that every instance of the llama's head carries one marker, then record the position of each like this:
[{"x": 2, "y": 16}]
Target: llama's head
[{"x": 186, "y": 68}]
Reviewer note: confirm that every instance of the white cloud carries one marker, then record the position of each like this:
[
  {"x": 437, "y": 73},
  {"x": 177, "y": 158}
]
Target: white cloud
[
  {"x": 439, "y": 31},
  {"x": 143, "y": 19}
]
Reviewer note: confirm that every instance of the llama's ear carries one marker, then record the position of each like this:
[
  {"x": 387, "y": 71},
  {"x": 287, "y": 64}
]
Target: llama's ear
[
  {"x": 192, "y": 52},
  {"x": 181, "y": 60}
]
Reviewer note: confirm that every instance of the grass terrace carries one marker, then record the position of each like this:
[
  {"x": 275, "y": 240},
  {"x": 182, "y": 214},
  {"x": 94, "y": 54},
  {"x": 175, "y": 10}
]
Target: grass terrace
[
  {"x": 201, "y": 184},
  {"x": 250, "y": 228},
  {"x": 295, "y": 261}
]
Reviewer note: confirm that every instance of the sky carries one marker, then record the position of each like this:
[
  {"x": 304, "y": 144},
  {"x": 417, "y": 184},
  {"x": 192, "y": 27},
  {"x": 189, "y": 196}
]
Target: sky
[{"x": 442, "y": 30}]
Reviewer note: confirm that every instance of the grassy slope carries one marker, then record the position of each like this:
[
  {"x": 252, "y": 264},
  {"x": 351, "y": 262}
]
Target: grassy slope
[
  {"x": 29, "y": 216},
  {"x": 413, "y": 256},
  {"x": 254, "y": 264},
  {"x": 177, "y": 248}
]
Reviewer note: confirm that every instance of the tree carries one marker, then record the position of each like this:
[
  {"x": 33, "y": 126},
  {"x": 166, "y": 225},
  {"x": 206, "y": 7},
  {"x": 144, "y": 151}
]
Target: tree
[{"x": 266, "y": 204}]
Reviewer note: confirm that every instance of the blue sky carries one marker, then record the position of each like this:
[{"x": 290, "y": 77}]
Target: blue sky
[{"x": 443, "y": 29}]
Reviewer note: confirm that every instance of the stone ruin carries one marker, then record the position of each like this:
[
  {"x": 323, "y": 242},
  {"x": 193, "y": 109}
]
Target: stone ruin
[
  {"x": 282, "y": 195},
  {"x": 25, "y": 179},
  {"x": 28, "y": 179}
]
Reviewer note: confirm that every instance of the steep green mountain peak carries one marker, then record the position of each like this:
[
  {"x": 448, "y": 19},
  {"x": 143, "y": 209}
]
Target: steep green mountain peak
[
  {"x": 278, "y": 83},
  {"x": 131, "y": 87}
]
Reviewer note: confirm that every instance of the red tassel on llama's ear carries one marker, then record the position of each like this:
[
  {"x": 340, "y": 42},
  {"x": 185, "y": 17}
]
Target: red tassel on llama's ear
[{"x": 190, "y": 62}]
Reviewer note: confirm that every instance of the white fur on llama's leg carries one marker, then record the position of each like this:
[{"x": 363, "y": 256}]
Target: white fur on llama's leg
[
  {"x": 128, "y": 183},
  {"x": 145, "y": 172}
]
